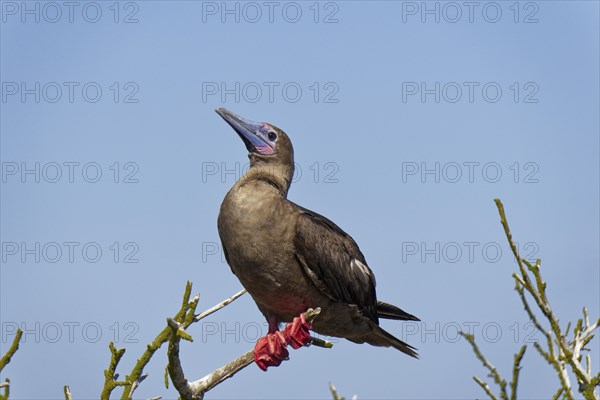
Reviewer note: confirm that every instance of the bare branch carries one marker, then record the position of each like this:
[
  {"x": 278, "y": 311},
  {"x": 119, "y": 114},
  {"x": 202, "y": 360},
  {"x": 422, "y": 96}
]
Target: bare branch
[
  {"x": 186, "y": 313},
  {"x": 493, "y": 371},
  {"x": 334, "y": 393},
  {"x": 196, "y": 390},
  {"x": 519, "y": 288},
  {"x": 558, "y": 393},
  {"x": 67, "y": 391},
  {"x": 6, "y": 386},
  {"x": 560, "y": 352},
  {"x": 11, "y": 350},
  {"x": 135, "y": 384},
  {"x": 485, "y": 388},
  {"x": 217, "y": 307},
  {"x": 185, "y": 316},
  {"x": 228, "y": 370},
  {"x": 6, "y": 359},
  {"x": 174, "y": 367},
  {"x": 109, "y": 374},
  {"x": 516, "y": 370}
]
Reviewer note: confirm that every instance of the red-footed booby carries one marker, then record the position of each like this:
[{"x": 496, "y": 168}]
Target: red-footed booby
[{"x": 290, "y": 259}]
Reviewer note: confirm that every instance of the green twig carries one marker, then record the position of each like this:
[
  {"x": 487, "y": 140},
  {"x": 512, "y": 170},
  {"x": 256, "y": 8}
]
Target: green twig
[
  {"x": 493, "y": 371},
  {"x": 486, "y": 388},
  {"x": 516, "y": 370},
  {"x": 6, "y": 359},
  {"x": 67, "y": 392},
  {"x": 11, "y": 350},
  {"x": 560, "y": 352},
  {"x": 558, "y": 393},
  {"x": 162, "y": 338},
  {"x": 334, "y": 393},
  {"x": 109, "y": 374}
]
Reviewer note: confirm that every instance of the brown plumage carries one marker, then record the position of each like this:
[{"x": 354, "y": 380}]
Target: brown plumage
[{"x": 290, "y": 258}]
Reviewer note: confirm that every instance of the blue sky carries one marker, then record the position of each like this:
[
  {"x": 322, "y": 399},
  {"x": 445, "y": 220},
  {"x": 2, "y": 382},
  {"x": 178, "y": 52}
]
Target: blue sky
[{"x": 405, "y": 129}]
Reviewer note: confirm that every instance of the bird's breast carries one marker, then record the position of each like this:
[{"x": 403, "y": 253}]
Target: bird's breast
[{"x": 257, "y": 229}]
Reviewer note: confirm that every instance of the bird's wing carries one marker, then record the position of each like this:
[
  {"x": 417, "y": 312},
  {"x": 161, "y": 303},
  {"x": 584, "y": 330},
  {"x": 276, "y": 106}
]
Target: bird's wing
[{"x": 334, "y": 263}]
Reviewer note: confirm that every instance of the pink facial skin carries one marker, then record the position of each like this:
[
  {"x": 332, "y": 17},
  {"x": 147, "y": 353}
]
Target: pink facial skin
[{"x": 264, "y": 150}]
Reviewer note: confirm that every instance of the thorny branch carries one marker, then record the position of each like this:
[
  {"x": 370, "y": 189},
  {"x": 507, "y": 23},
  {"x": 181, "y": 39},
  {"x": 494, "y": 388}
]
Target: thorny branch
[{"x": 559, "y": 351}]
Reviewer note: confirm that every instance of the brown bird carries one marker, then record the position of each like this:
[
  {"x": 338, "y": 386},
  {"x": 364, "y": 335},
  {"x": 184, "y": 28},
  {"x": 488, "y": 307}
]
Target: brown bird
[{"x": 290, "y": 259}]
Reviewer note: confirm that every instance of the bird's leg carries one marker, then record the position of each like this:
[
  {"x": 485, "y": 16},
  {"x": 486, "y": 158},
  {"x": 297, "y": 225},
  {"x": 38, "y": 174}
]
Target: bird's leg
[
  {"x": 270, "y": 350},
  {"x": 296, "y": 333}
]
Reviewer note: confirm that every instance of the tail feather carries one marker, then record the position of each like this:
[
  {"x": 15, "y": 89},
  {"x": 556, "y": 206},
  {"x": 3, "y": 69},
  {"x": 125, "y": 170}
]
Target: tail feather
[
  {"x": 389, "y": 311},
  {"x": 380, "y": 337}
]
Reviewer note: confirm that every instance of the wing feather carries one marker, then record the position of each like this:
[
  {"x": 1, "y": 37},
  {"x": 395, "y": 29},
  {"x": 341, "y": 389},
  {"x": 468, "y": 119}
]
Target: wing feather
[{"x": 334, "y": 263}]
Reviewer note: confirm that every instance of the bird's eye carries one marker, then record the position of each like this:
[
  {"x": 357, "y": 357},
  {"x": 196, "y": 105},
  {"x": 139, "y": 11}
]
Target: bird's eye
[{"x": 272, "y": 136}]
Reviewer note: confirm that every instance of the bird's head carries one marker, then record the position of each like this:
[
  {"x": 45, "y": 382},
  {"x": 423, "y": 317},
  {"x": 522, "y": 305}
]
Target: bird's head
[
  {"x": 264, "y": 141},
  {"x": 268, "y": 146}
]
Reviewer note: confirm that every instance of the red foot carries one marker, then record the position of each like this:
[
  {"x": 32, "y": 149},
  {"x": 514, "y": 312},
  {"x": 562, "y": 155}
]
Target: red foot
[
  {"x": 270, "y": 350},
  {"x": 297, "y": 333}
]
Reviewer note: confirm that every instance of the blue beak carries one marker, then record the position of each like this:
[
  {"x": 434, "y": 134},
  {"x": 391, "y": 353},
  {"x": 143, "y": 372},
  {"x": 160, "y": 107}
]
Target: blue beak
[{"x": 251, "y": 132}]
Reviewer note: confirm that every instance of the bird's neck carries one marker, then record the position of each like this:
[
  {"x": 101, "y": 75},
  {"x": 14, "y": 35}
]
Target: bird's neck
[{"x": 277, "y": 175}]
